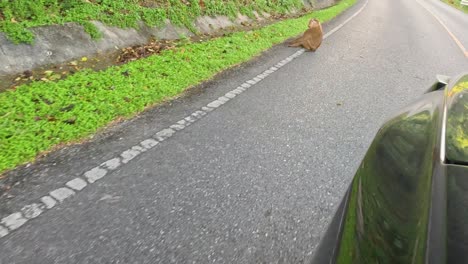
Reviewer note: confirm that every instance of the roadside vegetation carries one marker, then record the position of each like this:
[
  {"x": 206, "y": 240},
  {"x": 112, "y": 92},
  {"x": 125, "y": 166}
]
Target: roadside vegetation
[
  {"x": 457, "y": 4},
  {"x": 36, "y": 117},
  {"x": 17, "y": 16}
]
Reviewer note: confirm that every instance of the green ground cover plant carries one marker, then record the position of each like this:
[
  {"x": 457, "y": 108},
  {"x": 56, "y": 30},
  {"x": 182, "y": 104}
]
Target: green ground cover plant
[
  {"x": 18, "y": 16},
  {"x": 38, "y": 116}
]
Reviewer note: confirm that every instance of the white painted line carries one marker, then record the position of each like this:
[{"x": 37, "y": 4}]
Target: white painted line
[
  {"x": 230, "y": 95},
  {"x": 331, "y": 32},
  {"x": 198, "y": 114},
  {"x": 94, "y": 174},
  {"x": 138, "y": 148},
  {"x": 3, "y": 231},
  {"x": 207, "y": 109},
  {"x": 112, "y": 164},
  {"x": 76, "y": 184},
  {"x": 190, "y": 119},
  {"x": 454, "y": 38},
  {"x": 177, "y": 127},
  {"x": 214, "y": 104},
  {"x": 14, "y": 221},
  {"x": 236, "y": 91},
  {"x": 32, "y": 210},
  {"x": 300, "y": 52},
  {"x": 130, "y": 154},
  {"x": 48, "y": 201},
  {"x": 187, "y": 123},
  {"x": 150, "y": 143},
  {"x": 163, "y": 134},
  {"x": 195, "y": 116},
  {"x": 61, "y": 194},
  {"x": 182, "y": 122},
  {"x": 223, "y": 99}
]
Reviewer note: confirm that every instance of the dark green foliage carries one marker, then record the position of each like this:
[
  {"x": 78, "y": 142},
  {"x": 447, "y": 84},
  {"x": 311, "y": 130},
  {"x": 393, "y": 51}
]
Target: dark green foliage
[
  {"x": 17, "y": 33},
  {"x": 91, "y": 29}
]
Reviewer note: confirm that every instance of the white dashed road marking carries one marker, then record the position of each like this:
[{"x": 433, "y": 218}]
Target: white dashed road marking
[
  {"x": 76, "y": 184},
  {"x": 61, "y": 194},
  {"x": 114, "y": 163},
  {"x": 31, "y": 211},
  {"x": 3, "y": 231},
  {"x": 48, "y": 201},
  {"x": 16, "y": 220},
  {"x": 97, "y": 173}
]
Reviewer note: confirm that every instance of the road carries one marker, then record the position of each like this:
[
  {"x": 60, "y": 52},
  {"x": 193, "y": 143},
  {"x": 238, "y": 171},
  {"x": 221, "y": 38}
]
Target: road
[{"x": 257, "y": 179}]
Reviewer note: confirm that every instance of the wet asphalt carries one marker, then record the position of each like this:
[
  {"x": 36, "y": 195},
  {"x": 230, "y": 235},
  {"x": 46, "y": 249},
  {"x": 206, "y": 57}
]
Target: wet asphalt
[{"x": 258, "y": 179}]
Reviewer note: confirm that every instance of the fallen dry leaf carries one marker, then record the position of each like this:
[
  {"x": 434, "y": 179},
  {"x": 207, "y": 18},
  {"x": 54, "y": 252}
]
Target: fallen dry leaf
[
  {"x": 48, "y": 73},
  {"x": 55, "y": 77}
]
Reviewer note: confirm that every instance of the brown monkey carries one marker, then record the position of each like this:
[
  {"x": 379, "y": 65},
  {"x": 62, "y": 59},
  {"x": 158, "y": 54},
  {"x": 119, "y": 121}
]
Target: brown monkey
[{"x": 312, "y": 37}]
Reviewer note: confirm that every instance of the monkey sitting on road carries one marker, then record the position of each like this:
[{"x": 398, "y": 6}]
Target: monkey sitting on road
[{"x": 312, "y": 37}]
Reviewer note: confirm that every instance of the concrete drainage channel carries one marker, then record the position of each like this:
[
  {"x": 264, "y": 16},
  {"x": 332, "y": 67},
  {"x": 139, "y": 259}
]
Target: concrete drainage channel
[{"x": 16, "y": 220}]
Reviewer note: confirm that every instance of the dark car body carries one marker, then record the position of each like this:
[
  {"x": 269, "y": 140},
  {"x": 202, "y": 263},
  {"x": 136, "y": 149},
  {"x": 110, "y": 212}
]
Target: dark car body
[{"x": 408, "y": 202}]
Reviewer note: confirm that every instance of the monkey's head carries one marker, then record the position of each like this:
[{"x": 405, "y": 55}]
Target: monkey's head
[{"x": 314, "y": 23}]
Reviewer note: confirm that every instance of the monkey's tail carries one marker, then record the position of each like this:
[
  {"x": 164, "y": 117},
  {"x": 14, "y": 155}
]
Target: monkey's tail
[{"x": 295, "y": 43}]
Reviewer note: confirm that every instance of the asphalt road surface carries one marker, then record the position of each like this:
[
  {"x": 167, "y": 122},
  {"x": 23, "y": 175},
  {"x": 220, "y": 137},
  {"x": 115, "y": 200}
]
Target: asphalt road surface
[{"x": 257, "y": 179}]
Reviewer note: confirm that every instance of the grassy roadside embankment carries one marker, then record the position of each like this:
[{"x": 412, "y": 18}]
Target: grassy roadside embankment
[
  {"x": 36, "y": 117},
  {"x": 457, "y": 4},
  {"x": 18, "y": 16}
]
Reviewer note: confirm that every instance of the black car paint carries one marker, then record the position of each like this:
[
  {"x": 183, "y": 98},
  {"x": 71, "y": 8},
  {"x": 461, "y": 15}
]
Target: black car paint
[{"x": 406, "y": 203}]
